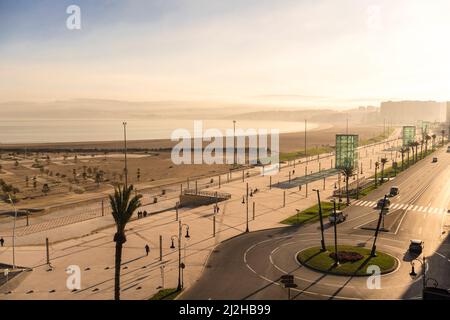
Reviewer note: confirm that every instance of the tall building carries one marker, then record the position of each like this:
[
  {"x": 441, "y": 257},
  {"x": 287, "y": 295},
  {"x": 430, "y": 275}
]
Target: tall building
[
  {"x": 408, "y": 112},
  {"x": 448, "y": 112}
]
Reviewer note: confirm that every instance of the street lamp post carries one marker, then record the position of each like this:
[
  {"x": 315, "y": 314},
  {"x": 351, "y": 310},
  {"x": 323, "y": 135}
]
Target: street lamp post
[
  {"x": 234, "y": 142},
  {"x": 423, "y": 263},
  {"x": 336, "y": 263},
  {"x": 180, "y": 265},
  {"x": 125, "y": 150},
  {"x": 14, "y": 232},
  {"x": 321, "y": 220},
  {"x": 246, "y": 228},
  {"x": 374, "y": 247}
]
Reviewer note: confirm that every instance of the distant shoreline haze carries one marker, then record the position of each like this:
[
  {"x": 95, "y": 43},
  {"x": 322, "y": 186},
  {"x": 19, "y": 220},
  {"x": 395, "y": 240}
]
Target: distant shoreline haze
[{"x": 56, "y": 131}]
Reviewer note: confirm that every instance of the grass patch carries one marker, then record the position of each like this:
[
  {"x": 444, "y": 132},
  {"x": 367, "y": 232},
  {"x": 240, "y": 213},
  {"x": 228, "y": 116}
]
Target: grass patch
[
  {"x": 321, "y": 261},
  {"x": 166, "y": 294},
  {"x": 312, "y": 214},
  {"x": 288, "y": 156}
]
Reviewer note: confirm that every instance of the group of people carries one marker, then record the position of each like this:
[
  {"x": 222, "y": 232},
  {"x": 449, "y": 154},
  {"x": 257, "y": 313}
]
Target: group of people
[{"x": 142, "y": 214}]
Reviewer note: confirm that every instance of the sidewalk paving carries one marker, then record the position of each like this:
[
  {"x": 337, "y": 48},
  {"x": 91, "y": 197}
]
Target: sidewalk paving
[{"x": 141, "y": 274}]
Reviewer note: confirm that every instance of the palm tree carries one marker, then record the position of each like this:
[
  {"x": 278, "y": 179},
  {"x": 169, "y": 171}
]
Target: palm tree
[
  {"x": 411, "y": 146},
  {"x": 416, "y": 145},
  {"x": 123, "y": 207},
  {"x": 403, "y": 150},
  {"x": 427, "y": 138},
  {"x": 383, "y": 162},
  {"x": 407, "y": 151},
  {"x": 421, "y": 149},
  {"x": 434, "y": 139},
  {"x": 348, "y": 172},
  {"x": 443, "y": 134}
]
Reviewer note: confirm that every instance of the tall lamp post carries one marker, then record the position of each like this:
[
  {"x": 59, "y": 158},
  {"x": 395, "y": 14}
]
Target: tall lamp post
[
  {"x": 374, "y": 247},
  {"x": 321, "y": 220},
  {"x": 413, "y": 273},
  {"x": 125, "y": 150},
  {"x": 234, "y": 142},
  {"x": 14, "y": 232},
  {"x": 336, "y": 262},
  {"x": 180, "y": 265}
]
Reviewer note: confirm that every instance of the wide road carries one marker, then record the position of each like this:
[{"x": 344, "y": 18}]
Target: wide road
[{"x": 250, "y": 266}]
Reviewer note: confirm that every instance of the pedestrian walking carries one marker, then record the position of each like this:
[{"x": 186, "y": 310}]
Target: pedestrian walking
[
  {"x": 147, "y": 249},
  {"x": 2, "y": 241},
  {"x": 145, "y": 213}
]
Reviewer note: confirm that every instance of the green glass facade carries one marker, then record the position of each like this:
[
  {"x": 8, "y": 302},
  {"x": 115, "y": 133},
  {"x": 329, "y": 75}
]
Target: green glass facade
[
  {"x": 409, "y": 135},
  {"x": 346, "y": 151}
]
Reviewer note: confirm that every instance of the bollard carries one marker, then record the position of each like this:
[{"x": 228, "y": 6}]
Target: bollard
[
  {"x": 214, "y": 225},
  {"x": 196, "y": 188},
  {"x": 270, "y": 183},
  {"x": 219, "y": 182},
  {"x": 160, "y": 248},
  {"x": 284, "y": 199},
  {"x": 253, "y": 210},
  {"x": 47, "y": 251}
]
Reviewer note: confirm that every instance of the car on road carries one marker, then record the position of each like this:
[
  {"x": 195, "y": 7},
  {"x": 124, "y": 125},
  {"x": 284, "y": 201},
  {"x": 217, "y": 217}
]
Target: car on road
[
  {"x": 435, "y": 160},
  {"x": 448, "y": 149},
  {"x": 416, "y": 246},
  {"x": 394, "y": 191},
  {"x": 340, "y": 217},
  {"x": 386, "y": 205}
]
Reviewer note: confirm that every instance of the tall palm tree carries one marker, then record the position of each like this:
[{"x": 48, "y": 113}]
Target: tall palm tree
[
  {"x": 427, "y": 138},
  {"x": 383, "y": 162},
  {"x": 421, "y": 149},
  {"x": 443, "y": 134},
  {"x": 416, "y": 145},
  {"x": 407, "y": 151},
  {"x": 411, "y": 146},
  {"x": 403, "y": 150},
  {"x": 434, "y": 139},
  {"x": 123, "y": 204}
]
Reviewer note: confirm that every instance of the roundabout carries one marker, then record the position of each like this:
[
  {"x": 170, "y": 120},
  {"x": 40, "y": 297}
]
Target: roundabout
[{"x": 352, "y": 261}]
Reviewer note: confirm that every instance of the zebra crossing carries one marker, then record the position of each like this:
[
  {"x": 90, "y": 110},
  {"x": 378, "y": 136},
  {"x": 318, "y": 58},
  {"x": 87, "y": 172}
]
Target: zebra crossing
[{"x": 401, "y": 206}]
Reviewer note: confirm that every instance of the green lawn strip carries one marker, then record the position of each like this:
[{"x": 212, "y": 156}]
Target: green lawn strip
[
  {"x": 312, "y": 214},
  {"x": 166, "y": 294},
  {"x": 321, "y": 261},
  {"x": 288, "y": 156}
]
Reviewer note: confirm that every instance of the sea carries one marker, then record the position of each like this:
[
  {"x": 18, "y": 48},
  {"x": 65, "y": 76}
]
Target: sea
[{"x": 63, "y": 130}]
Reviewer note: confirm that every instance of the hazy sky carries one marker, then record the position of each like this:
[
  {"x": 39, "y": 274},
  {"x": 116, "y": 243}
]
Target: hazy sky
[{"x": 282, "y": 52}]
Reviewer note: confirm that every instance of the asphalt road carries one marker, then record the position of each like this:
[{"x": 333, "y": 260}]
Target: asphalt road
[{"x": 250, "y": 266}]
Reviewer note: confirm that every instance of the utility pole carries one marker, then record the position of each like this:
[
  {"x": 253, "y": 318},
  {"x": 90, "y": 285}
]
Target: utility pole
[
  {"x": 234, "y": 142},
  {"x": 246, "y": 229},
  {"x": 321, "y": 220},
  {"x": 125, "y": 150},
  {"x": 374, "y": 247}
]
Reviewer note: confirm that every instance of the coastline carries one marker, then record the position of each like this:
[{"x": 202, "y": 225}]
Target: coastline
[{"x": 323, "y": 134}]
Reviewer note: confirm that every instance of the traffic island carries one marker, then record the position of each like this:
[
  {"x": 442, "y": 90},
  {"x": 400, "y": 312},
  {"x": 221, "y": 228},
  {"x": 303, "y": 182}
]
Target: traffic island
[
  {"x": 166, "y": 294},
  {"x": 353, "y": 261}
]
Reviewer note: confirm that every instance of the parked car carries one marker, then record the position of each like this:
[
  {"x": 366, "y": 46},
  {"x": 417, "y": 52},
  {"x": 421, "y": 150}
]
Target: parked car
[
  {"x": 448, "y": 149},
  {"x": 394, "y": 191},
  {"x": 435, "y": 160},
  {"x": 416, "y": 246},
  {"x": 340, "y": 217},
  {"x": 386, "y": 205}
]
